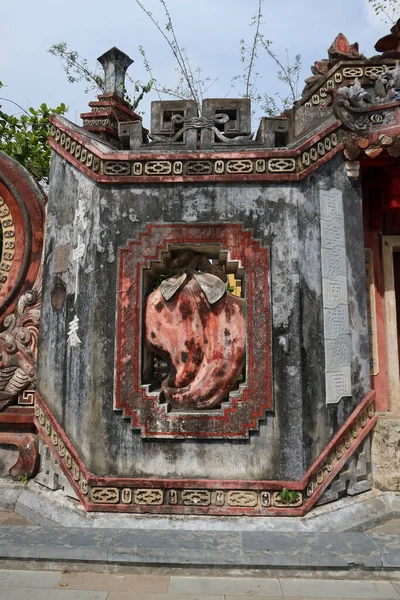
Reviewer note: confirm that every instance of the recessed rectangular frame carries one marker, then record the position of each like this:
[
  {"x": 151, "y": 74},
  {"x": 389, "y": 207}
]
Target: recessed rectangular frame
[{"x": 241, "y": 414}]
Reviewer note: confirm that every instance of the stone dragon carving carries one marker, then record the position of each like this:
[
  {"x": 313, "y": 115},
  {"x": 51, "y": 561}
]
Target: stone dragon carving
[
  {"x": 359, "y": 108},
  {"x": 200, "y": 330}
]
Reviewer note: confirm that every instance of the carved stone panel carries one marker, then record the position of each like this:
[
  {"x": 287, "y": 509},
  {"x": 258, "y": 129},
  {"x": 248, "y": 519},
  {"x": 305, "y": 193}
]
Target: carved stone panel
[
  {"x": 335, "y": 302},
  {"x": 193, "y": 359}
]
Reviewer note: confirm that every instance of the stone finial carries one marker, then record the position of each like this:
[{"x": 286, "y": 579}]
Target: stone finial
[{"x": 115, "y": 64}]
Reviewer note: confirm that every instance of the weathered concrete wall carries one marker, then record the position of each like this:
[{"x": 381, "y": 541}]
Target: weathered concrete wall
[{"x": 78, "y": 383}]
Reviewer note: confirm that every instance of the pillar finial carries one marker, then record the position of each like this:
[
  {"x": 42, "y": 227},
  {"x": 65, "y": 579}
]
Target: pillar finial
[{"x": 115, "y": 64}]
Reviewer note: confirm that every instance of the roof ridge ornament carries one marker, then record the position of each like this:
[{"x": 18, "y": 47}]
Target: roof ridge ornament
[
  {"x": 341, "y": 49},
  {"x": 389, "y": 45}
]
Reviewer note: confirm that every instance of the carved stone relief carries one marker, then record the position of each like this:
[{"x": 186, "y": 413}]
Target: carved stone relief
[
  {"x": 335, "y": 302},
  {"x": 200, "y": 329}
]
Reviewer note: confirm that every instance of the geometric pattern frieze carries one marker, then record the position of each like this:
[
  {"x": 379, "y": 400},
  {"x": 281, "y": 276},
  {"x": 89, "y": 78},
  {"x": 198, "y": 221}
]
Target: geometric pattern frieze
[
  {"x": 268, "y": 164},
  {"x": 252, "y": 498}
]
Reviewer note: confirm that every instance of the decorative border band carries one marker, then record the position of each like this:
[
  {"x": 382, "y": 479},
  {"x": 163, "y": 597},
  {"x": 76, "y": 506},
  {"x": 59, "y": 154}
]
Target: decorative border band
[
  {"x": 246, "y": 165},
  {"x": 184, "y": 496},
  {"x": 8, "y": 247},
  {"x": 343, "y": 73}
]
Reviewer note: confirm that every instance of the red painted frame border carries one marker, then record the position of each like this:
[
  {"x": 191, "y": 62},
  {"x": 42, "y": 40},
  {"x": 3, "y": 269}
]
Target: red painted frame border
[
  {"x": 98, "y": 175},
  {"x": 25, "y": 202},
  {"x": 310, "y": 487},
  {"x": 241, "y": 414}
]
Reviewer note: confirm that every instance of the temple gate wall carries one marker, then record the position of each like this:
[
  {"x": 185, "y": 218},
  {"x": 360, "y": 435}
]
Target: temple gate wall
[{"x": 78, "y": 383}]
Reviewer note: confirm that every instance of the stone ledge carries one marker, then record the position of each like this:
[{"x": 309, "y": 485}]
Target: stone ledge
[
  {"x": 45, "y": 507},
  {"x": 328, "y": 551}
]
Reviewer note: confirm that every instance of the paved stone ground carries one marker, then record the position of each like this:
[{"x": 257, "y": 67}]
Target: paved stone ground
[
  {"x": 8, "y": 517},
  {"x": 51, "y": 585},
  {"x": 391, "y": 526}
]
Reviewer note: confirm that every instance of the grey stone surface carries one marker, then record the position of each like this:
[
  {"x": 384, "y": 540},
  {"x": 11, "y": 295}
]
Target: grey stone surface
[
  {"x": 9, "y": 492},
  {"x": 39, "y": 594},
  {"x": 50, "y": 474},
  {"x": 150, "y": 596},
  {"x": 312, "y": 550},
  {"x": 55, "y": 543},
  {"x": 31, "y": 579},
  {"x": 345, "y": 551},
  {"x": 389, "y": 547},
  {"x": 241, "y": 586},
  {"x": 312, "y": 588},
  {"x": 194, "y": 547}
]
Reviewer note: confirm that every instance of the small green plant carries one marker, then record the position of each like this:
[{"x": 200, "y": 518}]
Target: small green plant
[
  {"x": 23, "y": 478},
  {"x": 230, "y": 288},
  {"x": 288, "y": 497}
]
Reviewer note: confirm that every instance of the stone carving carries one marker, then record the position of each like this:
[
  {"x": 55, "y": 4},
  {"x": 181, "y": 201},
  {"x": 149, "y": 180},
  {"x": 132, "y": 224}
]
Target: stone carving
[
  {"x": 196, "y": 498},
  {"x": 18, "y": 345},
  {"x": 242, "y": 498},
  {"x": 129, "y": 168},
  {"x": 200, "y": 330},
  {"x": 50, "y": 474},
  {"x": 154, "y": 497},
  {"x": 335, "y": 303},
  {"x": 26, "y": 444},
  {"x": 354, "y": 478},
  {"x": 199, "y": 123},
  {"x": 387, "y": 84},
  {"x": 340, "y": 49},
  {"x": 8, "y": 250},
  {"x": 355, "y": 96},
  {"x": 359, "y": 109},
  {"x": 106, "y": 495}
]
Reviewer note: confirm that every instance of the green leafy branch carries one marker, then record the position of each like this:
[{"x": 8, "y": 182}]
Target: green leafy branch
[
  {"x": 24, "y": 136},
  {"x": 386, "y": 9}
]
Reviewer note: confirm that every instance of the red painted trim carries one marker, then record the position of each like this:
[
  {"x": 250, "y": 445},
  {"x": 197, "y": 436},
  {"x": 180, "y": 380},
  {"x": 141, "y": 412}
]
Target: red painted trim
[
  {"x": 180, "y": 484},
  {"x": 21, "y": 195},
  {"x": 212, "y": 155},
  {"x": 369, "y": 398},
  {"x": 18, "y": 416},
  {"x": 245, "y": 408}
]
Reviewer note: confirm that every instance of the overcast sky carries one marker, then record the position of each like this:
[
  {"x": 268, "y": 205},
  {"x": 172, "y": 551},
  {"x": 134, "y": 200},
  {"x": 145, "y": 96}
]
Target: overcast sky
[{"x": 210, "y": 30}]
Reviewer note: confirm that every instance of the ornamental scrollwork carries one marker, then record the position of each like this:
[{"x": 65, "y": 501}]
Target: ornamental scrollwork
[
  {"x": 200, "y": 123},
  {"x": 18, "y": 345}
]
